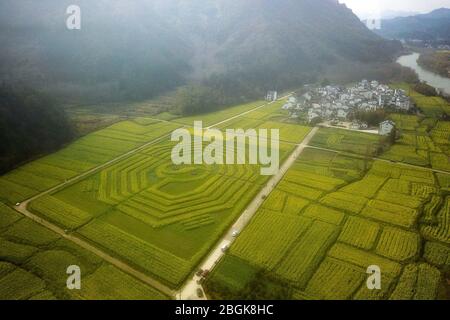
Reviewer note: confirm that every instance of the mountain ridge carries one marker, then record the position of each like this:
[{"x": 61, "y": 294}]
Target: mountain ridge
[
  {"x": 138, "y": 49},
  {"x": 429, "y": 26}
]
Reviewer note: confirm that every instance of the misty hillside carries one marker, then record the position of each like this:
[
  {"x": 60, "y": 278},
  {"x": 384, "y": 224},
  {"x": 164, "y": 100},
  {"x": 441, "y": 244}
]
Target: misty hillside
[
  {"x": 137, "y": 49},
  {"x": 432, "y": 26}
]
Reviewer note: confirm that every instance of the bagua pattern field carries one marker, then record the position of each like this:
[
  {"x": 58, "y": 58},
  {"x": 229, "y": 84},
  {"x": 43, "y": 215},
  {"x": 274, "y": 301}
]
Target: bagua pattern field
[
  {"x": 350, "y": 214},
  {"x": 159, "y": 218}
]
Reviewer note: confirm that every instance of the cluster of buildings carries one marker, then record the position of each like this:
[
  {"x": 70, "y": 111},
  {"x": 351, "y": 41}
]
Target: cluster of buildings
[
  {"x": 336, "y": 103},
  {"x": 429, "y": 44}
]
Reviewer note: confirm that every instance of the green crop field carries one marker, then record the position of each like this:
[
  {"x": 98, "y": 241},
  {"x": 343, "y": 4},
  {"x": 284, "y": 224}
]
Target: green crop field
[
  {"x": 369, "y": 213},
  {"x": 430, "y": 106},
  {"x": 159, "y": 218},
  {"x": 334, "y": 213},
  {"x": 33, "y": 263},
  {"x": 424, "y": 140},
  {"x": 347, "y": 141},
  {"x": 82, "y": 155}
]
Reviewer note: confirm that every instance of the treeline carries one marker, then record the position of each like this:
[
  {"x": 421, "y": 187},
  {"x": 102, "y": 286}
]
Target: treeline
[
  {"x": 262, "y": 287},
  {"x": 372, "y": 118},
  {"x": 425, "y": 89},
  {"x": 31, "y": 124},
  {"x": 383, "y": 72},
  {"x": 438, "y": 62}
]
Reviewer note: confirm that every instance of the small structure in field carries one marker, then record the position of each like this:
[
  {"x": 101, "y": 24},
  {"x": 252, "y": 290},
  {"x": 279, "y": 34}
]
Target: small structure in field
[{"x": 386, "y": 128}]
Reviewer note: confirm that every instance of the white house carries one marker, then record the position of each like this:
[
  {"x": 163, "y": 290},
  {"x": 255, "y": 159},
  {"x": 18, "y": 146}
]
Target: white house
[
  {"x": 272, "y": 96},
  {"x": 386, "y": 128}
]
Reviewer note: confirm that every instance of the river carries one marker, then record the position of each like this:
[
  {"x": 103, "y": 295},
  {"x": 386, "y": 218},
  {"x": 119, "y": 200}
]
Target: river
[{"x": 431, "y": 78}]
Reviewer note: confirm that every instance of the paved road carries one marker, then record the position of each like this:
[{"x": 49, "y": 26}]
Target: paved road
[
  {"x": 189, "y": 290},
  {"x": 23, "y": 209}
]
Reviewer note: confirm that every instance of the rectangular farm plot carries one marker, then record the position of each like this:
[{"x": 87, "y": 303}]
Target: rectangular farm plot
[
  {"x": 268, "y": 238},
  {"x": 417, "y": 282},
  {"x": 302, "y": 259},
  {"x": 366, "y": 187},
  {"x": 60, "y": 212},
  {"x": 335, "y": 280},
  {"x": 400, "y": 199},
  {"x": 234, "y": 272},
  {"x": 110, "y": 283},
  {"x": 360, "y": 233},
  {"x": 292, "y": 133},
  {"x": 391, "y": 213},
  {"x": 344, "y": 201},
  {"x": 218, "y": 116},
  {"x": 364, "y": 259},
  {"x": 299, "y": 190},
  {"x": 347, "y": 141},
  {"x": 325, "y": 214},
  {"x": 316, "y": 181},
  {"x": 397, "y": 244}
]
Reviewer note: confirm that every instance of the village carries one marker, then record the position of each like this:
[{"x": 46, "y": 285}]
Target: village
[{"x": 334, "y": 105}]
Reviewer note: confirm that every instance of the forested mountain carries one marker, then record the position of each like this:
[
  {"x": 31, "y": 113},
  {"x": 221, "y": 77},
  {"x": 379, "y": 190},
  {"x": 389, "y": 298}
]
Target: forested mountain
[
  {"x": 432, "y": 26},
  {"x": 31, "y": 124},
  {"x": 138, "y": 48},
  {"x": 122, "y": 51}
]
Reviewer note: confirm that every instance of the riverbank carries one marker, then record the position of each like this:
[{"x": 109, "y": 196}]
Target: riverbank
[{"x": 441, "y": 83}]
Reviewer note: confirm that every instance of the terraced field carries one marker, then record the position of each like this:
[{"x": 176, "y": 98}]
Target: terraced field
[{"x": 368, "y": 214}]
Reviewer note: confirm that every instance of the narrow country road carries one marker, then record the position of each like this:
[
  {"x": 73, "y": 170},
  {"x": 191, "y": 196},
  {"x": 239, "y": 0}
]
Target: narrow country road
[
  {"x": 23, "y": 209},
  {"x": 189, "y": 290},
  {"x": 85, "y": 245}
]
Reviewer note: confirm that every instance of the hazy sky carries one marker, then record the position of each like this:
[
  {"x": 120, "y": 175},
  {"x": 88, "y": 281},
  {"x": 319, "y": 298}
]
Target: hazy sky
[{"x": 364, "y": 7}]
